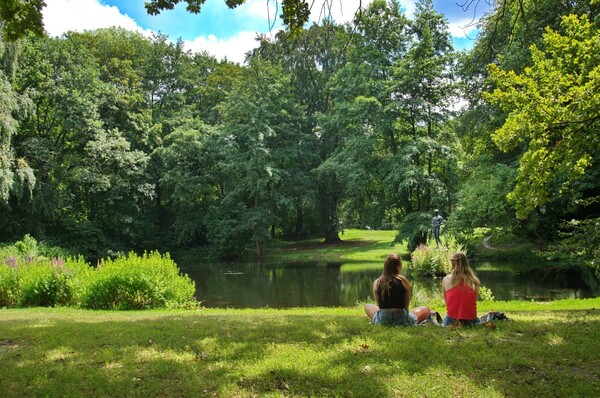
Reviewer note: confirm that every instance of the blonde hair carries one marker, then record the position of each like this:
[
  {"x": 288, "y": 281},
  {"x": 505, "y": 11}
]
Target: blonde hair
[
  {"x": 390, "y": 273},
  {"x": 462, "y": 272}
]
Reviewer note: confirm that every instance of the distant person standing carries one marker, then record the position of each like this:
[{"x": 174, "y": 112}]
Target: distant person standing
[{"x": 435, "y": 227}]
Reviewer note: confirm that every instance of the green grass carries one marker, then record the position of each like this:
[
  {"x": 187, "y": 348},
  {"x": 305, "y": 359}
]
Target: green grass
[
  {"x": 549, "y": 350},
  {"x": 357, "y": 245}
]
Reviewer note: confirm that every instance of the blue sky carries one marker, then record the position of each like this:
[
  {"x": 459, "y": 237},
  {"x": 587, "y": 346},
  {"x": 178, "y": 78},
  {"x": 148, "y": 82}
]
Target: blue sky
[{"x": 223, "y": 32}]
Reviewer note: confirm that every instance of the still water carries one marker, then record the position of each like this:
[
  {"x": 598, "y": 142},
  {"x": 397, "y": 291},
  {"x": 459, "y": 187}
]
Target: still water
[{"x": 308, "y": 284}]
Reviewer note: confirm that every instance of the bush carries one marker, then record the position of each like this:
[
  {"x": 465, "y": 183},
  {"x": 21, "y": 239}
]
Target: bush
[
  {"x": 138, "y": 282},
  {"x": 485, "y": 294},
  {"x": 27, "y": 247},
  {"x": 414, "y": 230},
  {"x": 128, "y": 282},
  {"x": 430, "y": 260},
  {"x": 9, "y": 284},
  {"x": 44, "y": 286},
  {"x": 44, "y": 283}
]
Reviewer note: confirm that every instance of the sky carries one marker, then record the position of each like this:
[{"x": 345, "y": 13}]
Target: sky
[{"x": 227, "y": 33}]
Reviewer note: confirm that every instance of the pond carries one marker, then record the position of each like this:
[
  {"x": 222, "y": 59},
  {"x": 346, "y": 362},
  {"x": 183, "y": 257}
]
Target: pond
[{"x": 308, "y": 284}]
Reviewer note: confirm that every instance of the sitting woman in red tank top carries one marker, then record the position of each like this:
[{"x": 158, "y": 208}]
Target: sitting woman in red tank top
[{"x": 461, "y": 287}]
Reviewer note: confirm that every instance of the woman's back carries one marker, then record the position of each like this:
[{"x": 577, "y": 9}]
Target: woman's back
[
  {"x": 460, "y": 291},
  {"x": 394, "y": 297},
  {"x": 461, "y": 301}
]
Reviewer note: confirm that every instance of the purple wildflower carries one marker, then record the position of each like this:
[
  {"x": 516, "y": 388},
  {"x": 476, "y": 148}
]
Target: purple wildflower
[{"x": 11, "y": 262}]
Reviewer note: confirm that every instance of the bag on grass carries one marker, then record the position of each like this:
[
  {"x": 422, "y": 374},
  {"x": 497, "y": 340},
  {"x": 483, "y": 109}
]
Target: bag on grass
[{"x": 495, "y": 316}]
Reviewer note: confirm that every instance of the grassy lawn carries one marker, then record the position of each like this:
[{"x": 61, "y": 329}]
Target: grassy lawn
[
  {"x": 548, "y": 350},
  {"x": 356, "y": 245}
]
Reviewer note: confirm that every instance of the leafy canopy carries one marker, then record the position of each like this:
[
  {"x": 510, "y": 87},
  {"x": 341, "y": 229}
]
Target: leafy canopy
[{"x": 554, "y": 112}]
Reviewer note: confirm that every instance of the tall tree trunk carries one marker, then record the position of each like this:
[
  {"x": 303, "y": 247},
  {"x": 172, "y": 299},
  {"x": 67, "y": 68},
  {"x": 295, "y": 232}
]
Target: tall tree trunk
[
  {"x": 329, "y": 219},
  {"x": 299, "y": 216},
  {"x": 259, "y": 241}
]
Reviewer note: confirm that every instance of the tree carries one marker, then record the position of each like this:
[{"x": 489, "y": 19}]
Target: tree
[
  {"x": 422, "y": 175},
  {"x": 19, "y": 17},
  {"x": 260, "y": 126},
  {"x": 481, "y": 202},
  {"x": 310, "y": 58},
  {"x": 554, "y": 111},
  {"x": 122, "y": 57},
  {"x": 15, "y": 174},
  {"x": 91, "y": 185},
  {"x": 357, "y": 127},
  {"x": 192, "y": 180}
]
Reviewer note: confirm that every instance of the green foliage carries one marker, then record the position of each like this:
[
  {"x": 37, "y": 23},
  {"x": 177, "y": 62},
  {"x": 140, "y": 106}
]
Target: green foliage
[
  {"x": 579, "y": 242},
  {"x": 138, "y": 282},
  {"x": 16, "y": 177},
  {"x": 432, "y": 260},
  {"x": 111, "y": 141},
  {"x": 27, "y": 247},
  {"x": 553, "y": 109},
  {"x": 482, "y": 199},
  {"x": 414, "y": 229},
  {"x": 31, "y": 282},
  {"x": 9, "y": 283},
  {"x": 128, "y": 282},
  {"x": 18, "y": 18},
  {"x": 191, "y": 180},
  {"x": 41, "y": 284},
  {"x": 485, "y": 294}
]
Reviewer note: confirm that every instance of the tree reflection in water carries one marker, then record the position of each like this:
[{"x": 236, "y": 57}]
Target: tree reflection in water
[{"x": 313, "y": 284}]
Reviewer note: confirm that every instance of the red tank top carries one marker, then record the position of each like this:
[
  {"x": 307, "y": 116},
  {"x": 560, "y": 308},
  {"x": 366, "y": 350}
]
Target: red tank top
[{"x": 461, "y": 302}]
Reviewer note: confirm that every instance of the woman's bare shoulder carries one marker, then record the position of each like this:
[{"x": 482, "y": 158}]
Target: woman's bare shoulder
[{"x": 447, "y": 282}]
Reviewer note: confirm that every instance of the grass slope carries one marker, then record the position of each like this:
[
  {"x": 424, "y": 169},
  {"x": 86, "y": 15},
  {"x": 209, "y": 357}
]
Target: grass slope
[
  {"x": 356, "y": 245},
  {"x": 549, "y": 350}
]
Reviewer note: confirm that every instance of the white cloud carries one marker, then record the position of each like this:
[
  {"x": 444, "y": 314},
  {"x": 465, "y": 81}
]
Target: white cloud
[
  {"x": 233, "y": 49},
  {"x": 259, "y": 9},
  {"x": 61, "y": 16},
  {"x": 409, "y": 7},
  {"x": 343, "y": 11},
  {"x": 463, "y": 28}
]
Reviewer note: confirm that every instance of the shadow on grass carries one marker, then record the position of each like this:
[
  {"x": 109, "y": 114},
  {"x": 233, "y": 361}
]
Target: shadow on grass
[{"x": 276, "y": 353}]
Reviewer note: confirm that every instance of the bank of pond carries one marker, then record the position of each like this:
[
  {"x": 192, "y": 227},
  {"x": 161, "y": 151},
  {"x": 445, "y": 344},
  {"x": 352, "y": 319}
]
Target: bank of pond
[
  {"x": 343, "y": 284},
  {"x": 153, "y": 280}
]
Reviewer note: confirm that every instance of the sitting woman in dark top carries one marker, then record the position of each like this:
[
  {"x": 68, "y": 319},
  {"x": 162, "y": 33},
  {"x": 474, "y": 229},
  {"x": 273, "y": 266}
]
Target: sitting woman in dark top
[{"x": 392, "y": 293}]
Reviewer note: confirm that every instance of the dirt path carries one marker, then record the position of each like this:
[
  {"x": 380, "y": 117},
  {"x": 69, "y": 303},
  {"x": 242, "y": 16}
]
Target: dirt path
[{"x": 486, "y": 243}]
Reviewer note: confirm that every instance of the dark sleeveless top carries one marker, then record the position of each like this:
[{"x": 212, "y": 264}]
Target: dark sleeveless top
[{"x": 395, "y": 297}]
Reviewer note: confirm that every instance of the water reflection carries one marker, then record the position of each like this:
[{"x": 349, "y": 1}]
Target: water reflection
[{"x": 309, "y": 284}]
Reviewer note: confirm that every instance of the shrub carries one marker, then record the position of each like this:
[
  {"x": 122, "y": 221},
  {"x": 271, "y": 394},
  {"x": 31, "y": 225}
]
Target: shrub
[
  {"x": 9, "y": 283},
  {"x": 27, "y": 247},
  {"x": 137, "y": 282},
  {"x": 414, "y": 229},
  {"x": 43, "y": 286},
  {"x": 47, "y": 283},
  {"x": 485, "y": 294},
  {"x": 430, "y": 260},
  {"x": 128, "y": 282}
]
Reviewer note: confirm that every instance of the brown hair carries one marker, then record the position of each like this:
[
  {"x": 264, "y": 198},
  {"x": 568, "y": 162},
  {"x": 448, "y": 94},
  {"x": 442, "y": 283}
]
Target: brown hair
[
  {"x": 462, "y": 272},
  {"x": 390, "y": 273}
]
